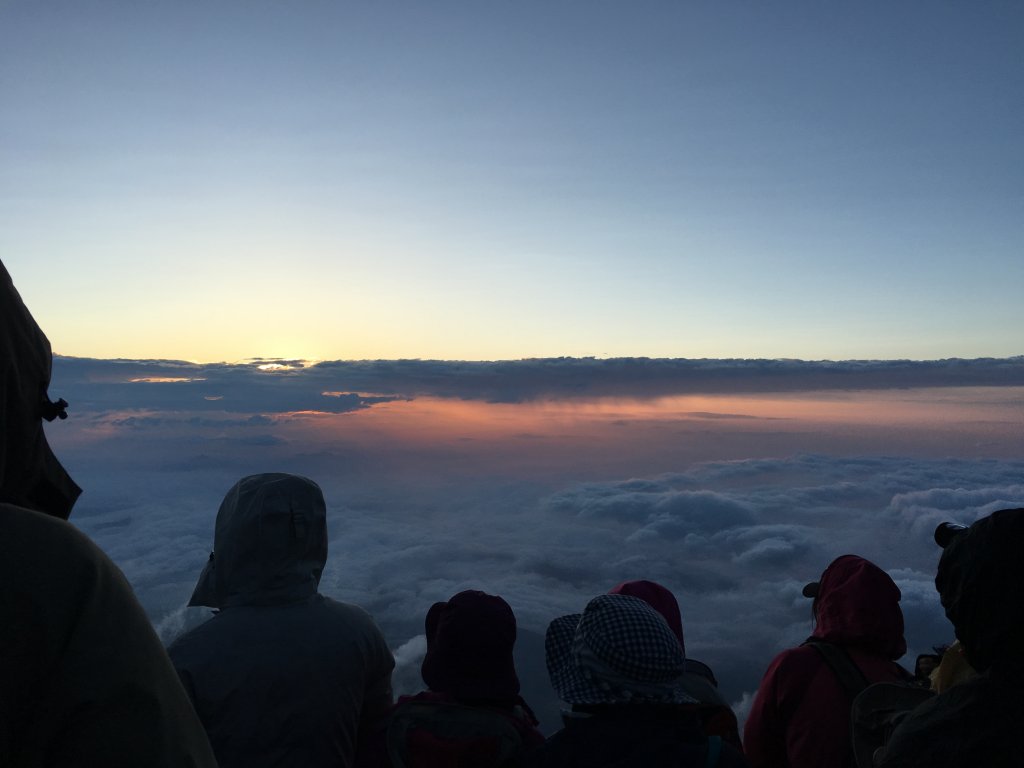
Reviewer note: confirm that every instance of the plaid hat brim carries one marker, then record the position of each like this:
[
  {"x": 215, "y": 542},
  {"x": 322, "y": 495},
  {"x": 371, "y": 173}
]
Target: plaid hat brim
[{"x": 574, "y": 686}]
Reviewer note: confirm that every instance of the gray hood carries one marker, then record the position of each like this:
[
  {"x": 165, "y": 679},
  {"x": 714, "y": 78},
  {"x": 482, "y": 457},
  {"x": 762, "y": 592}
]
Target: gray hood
[
  {"x": 270, "y": 543},
  {"x": 30, "y": 475}
]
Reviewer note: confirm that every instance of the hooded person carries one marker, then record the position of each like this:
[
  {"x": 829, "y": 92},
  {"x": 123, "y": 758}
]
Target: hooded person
[
  {"x": 621, "y": 668},
  {"x": 714, "y": 711},
  {"x": 800, "y": 717},
  {"x": 84, "y": 680},
  {"x": 281, "y": 675},
  {"x": 472, "y": 713},
  {"x": 980, "y": 581}
]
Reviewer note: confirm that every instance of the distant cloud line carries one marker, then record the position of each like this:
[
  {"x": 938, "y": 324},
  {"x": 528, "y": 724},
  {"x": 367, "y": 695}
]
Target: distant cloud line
[{"x": 341, "y": 386}]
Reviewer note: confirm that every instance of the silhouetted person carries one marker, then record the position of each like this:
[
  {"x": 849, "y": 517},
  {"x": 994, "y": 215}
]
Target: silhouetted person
[
  {"x": 472, "y": 714},
  {"x": 619, "y": 665},
  {"x": 977, "y": 721},
  {"x": 281, "y": 675},
  {"x": 84, "y": 680},
  {"x": 800, "y": 717},
  {"x": 698, "y": 680}
]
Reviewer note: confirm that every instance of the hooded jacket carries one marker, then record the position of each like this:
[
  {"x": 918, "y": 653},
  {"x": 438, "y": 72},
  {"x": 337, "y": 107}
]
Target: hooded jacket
[
  {"x": 30, "y": 475},
  {"x": 84, "y": 679},
  {"x": 281, "y": 675},
  {"x": 800, "y": 717}
]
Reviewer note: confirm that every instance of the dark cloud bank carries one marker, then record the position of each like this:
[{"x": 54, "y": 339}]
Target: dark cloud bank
[
  {"x": 359, "y": 384},
  {"x": 735, "y": 539}
]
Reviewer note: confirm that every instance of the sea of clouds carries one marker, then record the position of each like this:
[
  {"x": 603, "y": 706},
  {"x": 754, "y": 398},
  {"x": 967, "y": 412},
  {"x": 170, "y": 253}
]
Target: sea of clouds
[{"x": 534, "y": 517}]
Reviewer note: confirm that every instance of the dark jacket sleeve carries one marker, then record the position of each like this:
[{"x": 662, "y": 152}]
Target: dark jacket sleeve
[
  {"x": 85, "y": 679},
  {"x": 377, "y": 696}
]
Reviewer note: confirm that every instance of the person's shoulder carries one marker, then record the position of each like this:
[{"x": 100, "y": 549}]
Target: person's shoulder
[
  {"x": 799, "y": 658},
  {"x": 55, "y": 550},
  {"x": 27, "y": 528},
  {"x": 188, "y": 642},
  {"x": 348, "y": 620},
  {"x": 349, "y": 612}
]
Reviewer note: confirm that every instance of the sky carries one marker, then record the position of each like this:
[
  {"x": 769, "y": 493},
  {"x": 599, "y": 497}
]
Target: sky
[{"x": 484, "y": 181}]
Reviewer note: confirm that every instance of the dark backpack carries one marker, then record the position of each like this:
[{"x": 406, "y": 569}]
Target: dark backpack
[
  {"x": 425, "y": 734},
  {"x": 876, "y": 709},
  {"x": 876, "y": 713}
]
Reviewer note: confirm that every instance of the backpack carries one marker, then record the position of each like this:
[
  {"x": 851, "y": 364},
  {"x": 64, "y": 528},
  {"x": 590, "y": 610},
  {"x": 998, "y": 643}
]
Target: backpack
[
  {"x": 876, "y": 709},
  {"x": 876, "y": 713},
  {"x": 424, "y": 734}
]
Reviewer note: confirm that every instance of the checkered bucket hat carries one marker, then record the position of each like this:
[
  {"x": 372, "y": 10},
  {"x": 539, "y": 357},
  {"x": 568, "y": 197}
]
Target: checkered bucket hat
[{"x": 619, "y": 650}]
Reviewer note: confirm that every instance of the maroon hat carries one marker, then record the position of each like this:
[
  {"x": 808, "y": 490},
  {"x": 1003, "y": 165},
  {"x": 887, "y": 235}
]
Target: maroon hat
[
  {"x": 659, "y": 598},
  {"x": 469, "y": 648}
]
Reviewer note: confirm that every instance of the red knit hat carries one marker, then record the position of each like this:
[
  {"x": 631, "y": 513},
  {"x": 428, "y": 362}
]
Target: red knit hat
[{"x": 659, "y": 598}]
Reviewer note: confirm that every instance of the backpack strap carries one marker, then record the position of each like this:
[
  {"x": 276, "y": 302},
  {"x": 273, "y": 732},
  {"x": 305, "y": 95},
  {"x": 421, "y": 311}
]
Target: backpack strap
[
  {"x": 839, "y": 661},
  {"x": 714, "y": 751}
]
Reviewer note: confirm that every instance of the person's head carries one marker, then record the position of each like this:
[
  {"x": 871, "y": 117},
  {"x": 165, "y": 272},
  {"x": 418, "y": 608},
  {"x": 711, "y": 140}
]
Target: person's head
[
  {"x": 618, "y": 651},
  {"x": 659, "y": 598},
  {"x": 980, "y": 580},
  {"x": 856, "y": 603},
  {"x": 269, "y": 546},
  {"x": 30, "y": 475},
  {"x": 469, "y": 648}
]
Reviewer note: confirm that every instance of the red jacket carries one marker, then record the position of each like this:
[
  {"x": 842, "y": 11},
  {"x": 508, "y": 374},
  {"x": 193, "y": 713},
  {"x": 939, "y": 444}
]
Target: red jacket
[{"x": 801, "y": 714}]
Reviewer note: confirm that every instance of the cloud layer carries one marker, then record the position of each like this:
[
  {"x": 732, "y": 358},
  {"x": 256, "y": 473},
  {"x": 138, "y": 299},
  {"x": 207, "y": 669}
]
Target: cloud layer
[{"x": 544, "y": 505}]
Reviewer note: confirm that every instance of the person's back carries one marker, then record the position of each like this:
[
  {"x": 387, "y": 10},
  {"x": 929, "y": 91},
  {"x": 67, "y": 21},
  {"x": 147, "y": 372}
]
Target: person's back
[
  {"x": 980, "y": 581},
  {"x": 634, "y": 735},
  {"x": 281, "y": 675},
  {"x": 800, "y": 717},
  {"x": 472, "y": 715},
  {"x": 83, "y": 677}
]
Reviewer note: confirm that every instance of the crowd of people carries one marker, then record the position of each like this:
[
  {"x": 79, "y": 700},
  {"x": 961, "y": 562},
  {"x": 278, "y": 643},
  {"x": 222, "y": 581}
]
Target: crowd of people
[{"x": 284, "y": 676}]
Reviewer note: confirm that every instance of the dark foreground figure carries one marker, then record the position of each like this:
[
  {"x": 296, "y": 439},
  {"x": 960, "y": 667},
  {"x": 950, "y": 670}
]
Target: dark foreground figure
[
  {"x": 84, "y": 680},
  {"x": 977, "y": 722},
  {"x": 619, "y": 665},
  {"x": 281, "y": 675}
]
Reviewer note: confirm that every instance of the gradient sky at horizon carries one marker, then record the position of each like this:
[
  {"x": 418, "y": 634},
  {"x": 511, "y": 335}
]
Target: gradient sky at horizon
[{"x": 457, "y": 180}]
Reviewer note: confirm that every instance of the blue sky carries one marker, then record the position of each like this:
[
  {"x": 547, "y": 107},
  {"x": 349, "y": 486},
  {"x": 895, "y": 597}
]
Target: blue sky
[{"x": 456, "y": 180}]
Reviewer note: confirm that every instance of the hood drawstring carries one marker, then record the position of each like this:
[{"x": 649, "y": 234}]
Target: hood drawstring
[{"x": 50, "y": 410}]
